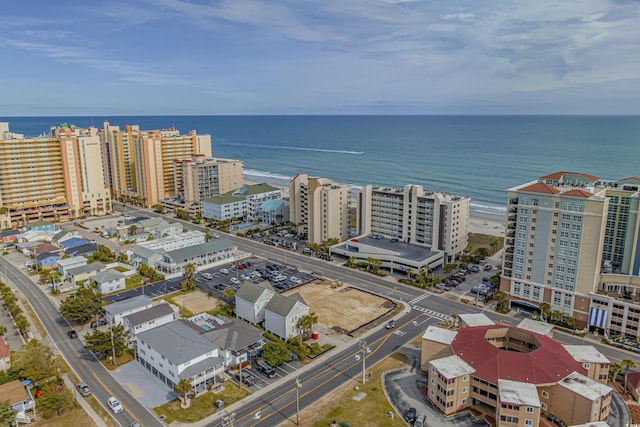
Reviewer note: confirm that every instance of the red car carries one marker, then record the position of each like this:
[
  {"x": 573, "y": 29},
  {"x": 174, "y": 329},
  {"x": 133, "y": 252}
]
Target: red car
[{"x": 239, "y": 266}]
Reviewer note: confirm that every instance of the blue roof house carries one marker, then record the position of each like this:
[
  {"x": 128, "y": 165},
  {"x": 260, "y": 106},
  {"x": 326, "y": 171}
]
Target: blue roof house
[{"x": 48, "y": 259}]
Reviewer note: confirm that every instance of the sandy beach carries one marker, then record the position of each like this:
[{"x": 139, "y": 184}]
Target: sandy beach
[{"x": 480, "y": 225}]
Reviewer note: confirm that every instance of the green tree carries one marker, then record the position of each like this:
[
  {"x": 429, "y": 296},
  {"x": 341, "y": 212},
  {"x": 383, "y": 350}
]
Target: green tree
[
  {"x": 34, "y": 361},
  {"x": 409, "y": 273},
  {"x": 54, "y": 402},
  {"x": 229, "y": 295},
  {"x": 275, "y": 353},
  {"x": 376, "y": 264},
  {"x": 8, "y": 376},
  {"x": 9, "y": 298},
  {"x": 189, "y": 271},
  {"x": 123, "y": 258},
  {"x": 7, "y": 413},
  {"x": 82, "y": 306},
  {"x": 103, "y": 254},
  {"x": 482, "y": 252},
  {"x": 614, "y": 370},
  {"x": 448, "y": 268},
  {"x": 182, "y": 214},
  {"x": 495, "y": 280},
  {"x": 3, "y": 330},
  {"x": 495, "y": 243},
  {"x": 14, "y": 309},
  {"x": 21, "y": 323},
  {"x": 101, "y": 341},
  {"x": 465, "y": 259},
  {"x": 545, "y": 312},
  {"x": 306, "y": 322},
  {"x": 183, "y": 388},
  {"x": 626, "y": 365},
  {"x": 157, "y": 208}
]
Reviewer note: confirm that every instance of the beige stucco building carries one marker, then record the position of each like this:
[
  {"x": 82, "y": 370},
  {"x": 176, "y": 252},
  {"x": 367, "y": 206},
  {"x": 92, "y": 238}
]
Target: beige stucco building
[
  {"x": 410, "y": 214},
  {"x": 517, "y": 373},
  {"x": 319, "y": 207}
]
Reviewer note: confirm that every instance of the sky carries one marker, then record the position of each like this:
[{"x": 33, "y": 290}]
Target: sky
[{"x": 236, "y": 57}]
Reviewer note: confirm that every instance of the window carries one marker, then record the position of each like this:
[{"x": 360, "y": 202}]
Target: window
[
  {"x": 465, "y": 389},
  {"x": 465, "y": 378},
  {"x": 528, "y": 422},
  {"x": 530, "y": 409},
  {"x": 463, "y": 401},
  {"x": 586, "y": 366},
  {"x": 545, "y": 394},
  {"x": 433, "y": 381},
  {"x": 432, "y": 393},
  {"x": 433, "y": 369}
]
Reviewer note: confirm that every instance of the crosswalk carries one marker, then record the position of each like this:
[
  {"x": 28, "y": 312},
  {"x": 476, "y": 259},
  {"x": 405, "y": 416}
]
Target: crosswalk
[
  {"x": 432, "y": 313},
  {"x": 418, "y": 299}
]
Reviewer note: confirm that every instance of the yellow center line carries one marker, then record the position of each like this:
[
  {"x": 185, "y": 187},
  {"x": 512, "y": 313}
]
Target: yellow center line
[
  {"x": 379, "y": 343},
  {"x": 112, "y": 394}
]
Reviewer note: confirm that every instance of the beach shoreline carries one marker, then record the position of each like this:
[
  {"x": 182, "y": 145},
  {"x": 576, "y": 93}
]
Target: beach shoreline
[{"x": 478, "y": 224}]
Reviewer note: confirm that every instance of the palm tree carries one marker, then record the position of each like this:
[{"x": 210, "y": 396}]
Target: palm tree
[
  {"x": 614, "y": 370},
  {"x": 183, "y": 388},
  {"x": 409, "y": 272},
  {"x": 189, "y": 271},
  {"x": 545, "y": 310},
  {"x": 494, "y": 245},
  {"x": 305, "y": 323},
  {"x": 229, "y": 294},
  {"x": 626, "y": 365}
]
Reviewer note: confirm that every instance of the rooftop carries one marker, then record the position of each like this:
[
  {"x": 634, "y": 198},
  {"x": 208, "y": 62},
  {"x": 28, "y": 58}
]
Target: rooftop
[
  {"x": 177, "y": 341},
  {"x": 107, "y": 276},
  {"x": 548, "y": 362},
  {"x": 209, "y": 247},
  {"x": 143, "y": 316},
  {"x": 452, "y": 367},
  {"x": 398, "y": 249},
  {"x": 585, "y": 387},
  {"x": 282, "y": 305},
  {"x": 94, "y": 266},
  {"x": 14, "y": 392},
  {"x": 252, "y": 291},
  {"x": 475, "y": 319},
  {"x": 535, "y": 326},
  {"x": 586, "y": 354},
  {"x": 128, "y": 304},
  {"x": 443, "y": 336},
  {"x": 517, "y": 393}
]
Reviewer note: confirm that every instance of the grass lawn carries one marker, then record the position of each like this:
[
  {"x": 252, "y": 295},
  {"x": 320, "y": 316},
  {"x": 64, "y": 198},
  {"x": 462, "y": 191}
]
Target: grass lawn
[
  {"x": 126, "y": 357},
  {"x": 202, "y": 406},
  {"x": 74, "y": 417},
  {"x": 121, "y": 269},
  {"x": 132, "y": 282},
  {"x": 477, "y": 241},
  {"x": 370, "y": 411},
  {"x": 33, "y": 318}
]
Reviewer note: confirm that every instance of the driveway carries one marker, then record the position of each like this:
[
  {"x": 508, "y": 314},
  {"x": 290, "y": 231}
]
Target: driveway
[{"x": 143, "y": 385}]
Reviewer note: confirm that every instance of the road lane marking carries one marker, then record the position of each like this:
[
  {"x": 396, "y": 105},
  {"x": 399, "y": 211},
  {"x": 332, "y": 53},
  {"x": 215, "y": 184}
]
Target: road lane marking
[{"x": 112, "y": 394}]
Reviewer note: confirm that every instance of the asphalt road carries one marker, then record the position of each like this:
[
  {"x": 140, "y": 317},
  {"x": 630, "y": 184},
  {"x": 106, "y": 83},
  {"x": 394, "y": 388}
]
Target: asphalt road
[{"x": 81, "y": 361}]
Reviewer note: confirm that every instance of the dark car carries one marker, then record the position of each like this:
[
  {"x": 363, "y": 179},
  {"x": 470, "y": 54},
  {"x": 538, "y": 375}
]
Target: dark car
[
  {"x": 488, "y": 267},
  {"x": 72, "y": 334},
  {"x": 410, "y": 415},
  {"x": 84, "y": 389},
  {"x": 98, "y": 323},
  {"x": 391, "y": 324}
]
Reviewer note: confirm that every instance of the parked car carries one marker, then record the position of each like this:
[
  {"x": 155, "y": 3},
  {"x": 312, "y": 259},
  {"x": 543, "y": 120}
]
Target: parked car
[
  {"x": 207, "y": 276},
  {"x": 442, "y": 287},
  {"x": 234, "y": 281},
  {"x": 295, "y": 280},
  {"x": 84, "y": 389},
  {"x": 114, "y": 405},
  {"x": 485, "y": 280},
  {"x": 247, "y": 378},
  {"x": 266, "y": 369},
  {"x": 420, "y": 421},
  {"x": 72, "y": 334},
  {"x": 98, "y": 323},
  {"x": 488, "y": 267},
  {"x": 410, "y": 415},
  {"x": 474, "y": 269},
  {"x": 224, "y": 271}
]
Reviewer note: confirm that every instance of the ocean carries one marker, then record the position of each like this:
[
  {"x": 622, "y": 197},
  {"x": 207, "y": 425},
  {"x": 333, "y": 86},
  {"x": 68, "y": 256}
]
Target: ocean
[{"x": 476, "y": 156}]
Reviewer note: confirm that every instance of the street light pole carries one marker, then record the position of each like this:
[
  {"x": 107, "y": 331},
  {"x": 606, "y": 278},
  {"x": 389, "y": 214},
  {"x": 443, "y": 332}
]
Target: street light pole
[
  {"x": 364, "y": 350},
  {"x": 298, "y": 387}
]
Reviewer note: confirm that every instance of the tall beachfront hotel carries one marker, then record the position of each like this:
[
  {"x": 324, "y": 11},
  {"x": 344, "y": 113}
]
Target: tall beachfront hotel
[
  {"x": 53, "y": 177},
  {"x": 572, "y": 239},
  {"x": 319, "y": 207}
]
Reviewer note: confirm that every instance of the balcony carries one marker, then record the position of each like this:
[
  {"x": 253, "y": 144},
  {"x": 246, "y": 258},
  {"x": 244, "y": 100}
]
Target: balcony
[
  {"x": 508, "y": 257},
  {"x": 513, "y": 210},
  {"x": 513, "y": 201},
  {"x": 511, "y": 234},
  {"x": 512, "y": 217},
  {"x": 510, "y": 242},
  {"x": 511, "y": 226},
  {"x": 509, "y": 250}
]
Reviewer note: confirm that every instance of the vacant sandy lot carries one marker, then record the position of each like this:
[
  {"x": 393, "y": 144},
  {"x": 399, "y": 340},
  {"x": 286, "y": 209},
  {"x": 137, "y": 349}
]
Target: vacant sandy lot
[
  {"x": 343, "y": 308},
  {"x": 196, "y": 302}
]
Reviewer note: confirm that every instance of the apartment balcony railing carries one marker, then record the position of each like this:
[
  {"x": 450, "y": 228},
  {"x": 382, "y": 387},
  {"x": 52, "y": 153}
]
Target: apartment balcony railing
[{"x": 513, "y": 201}]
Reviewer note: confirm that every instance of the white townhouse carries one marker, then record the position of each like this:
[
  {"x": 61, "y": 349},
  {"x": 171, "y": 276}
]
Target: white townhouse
[
  {"x": 175, "y": 351},
  {"x": 205, "y": 253},
  {"x": 282, "y": 313},
  {"x": 114, "y": 313},
  {"x": 149, "y": 318},
  {"x": 66, "y": 264},
  {"x": 109, "y": 281},
  {"x": 251, "y": 299}
]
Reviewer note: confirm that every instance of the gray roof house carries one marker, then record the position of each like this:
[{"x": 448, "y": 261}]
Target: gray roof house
[
  {"x": 109, "y": 281},
  {"x": 114, "y": 313},
  {"x": 149, "y": 318},
  {"x": 251, "y": 299},
  {"x": 66, "y": 264},
  {"x": 150, "y": 224},
  {"x": 282, "y": 313},
  {"x": 83, "y": 272},
  {"x": 146, "y": 256},
  {"x": 63, "y": 235},
  {"x": 203, "y": 253},
  {"x": 175, "y": 350}
]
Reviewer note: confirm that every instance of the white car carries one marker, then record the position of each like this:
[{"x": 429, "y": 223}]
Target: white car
[
  {"x": 114, "y": 405},
  {"x": 234, "y": 280},
  {"x": 207, "y": 276},
  {"x": 224, "y": 271},
  {"x": 245, "y": 276},
  {"x": 295, "y": 280}
]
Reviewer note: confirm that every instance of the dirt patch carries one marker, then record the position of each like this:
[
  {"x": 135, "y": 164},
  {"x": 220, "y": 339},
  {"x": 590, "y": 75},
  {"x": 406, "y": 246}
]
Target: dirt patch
[
  {"x": 197, "y": 302},
  {"x": 342, "y": 308}
]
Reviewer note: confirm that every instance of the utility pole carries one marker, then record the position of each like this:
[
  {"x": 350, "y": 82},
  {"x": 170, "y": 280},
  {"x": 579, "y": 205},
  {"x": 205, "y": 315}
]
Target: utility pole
[
  {"x": 113, "y": 347},
  {"x": 364, "y": 350}
]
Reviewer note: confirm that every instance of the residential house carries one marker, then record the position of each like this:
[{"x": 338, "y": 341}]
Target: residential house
[
  {"x": 41, "y": 226},
  {"x": 109, "y": 281},
  {"x": 63, "y": 235},
  {"x": 237, "y": 341},
  {"x": 205, "y": 253},
  {"x": 83, "y": 272},
  {"x": 149, "y": 318},
  {"x": 166, "y": 229},
  {"x": 88, "y": 249},
  {"x": 251, "y": 299},
  {"x": 140, "y": 255},
  {"x": 66, "y": 264},
  {"x": 176, "y": 241},
  {"x": 20, "y": 400},
  {"x": 115, "y": 313},
  {"x": 72, "y": 242},
  {"x": 34, "y": 236},
  {"x": 5, "y": 355},
  {"x": 149, "y": 225},
  {"x": 41, "y": 248},
  {"x": 48, "y": 260},
  {"x": 633, "y": 385},
  {"x": 175, "y": 351},
  {"x": 282, "y": 313},
  {"x": 273, "y": 212},
  {"x": 9, "y": 235}
]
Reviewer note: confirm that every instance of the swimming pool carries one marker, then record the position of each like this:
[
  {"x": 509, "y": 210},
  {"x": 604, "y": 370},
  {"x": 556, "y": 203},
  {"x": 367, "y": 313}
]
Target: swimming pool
[
  {"x": 206, "y": 327},
  {"x": 245, "y": 225}
]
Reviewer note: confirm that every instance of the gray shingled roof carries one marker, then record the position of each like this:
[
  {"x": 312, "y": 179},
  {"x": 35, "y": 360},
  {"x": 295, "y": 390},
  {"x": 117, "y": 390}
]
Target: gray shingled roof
[
  {"x": 282, "y": 305},
  {"x": 251, "y": 291},
  {"x": 94, "y": 266},
  {"x": 234, "y": 335},
  {"x": 128, "y": 304},
  {"x": 177, "y": 342},
  {"x": 150, "y": 222},
  {"x": 107, "y": 276},
  {"x": 154, "y": 312},
  {"x": 201, "y": 366},
  {"x": 209, "y": 247}
]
